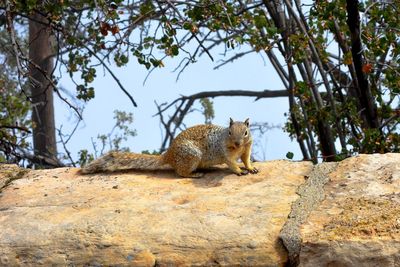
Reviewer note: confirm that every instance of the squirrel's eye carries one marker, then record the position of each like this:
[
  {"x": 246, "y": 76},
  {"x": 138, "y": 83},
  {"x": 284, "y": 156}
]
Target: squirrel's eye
[
  {"x": 230, "y": 133},
  {"x": 245, "y": 133}
]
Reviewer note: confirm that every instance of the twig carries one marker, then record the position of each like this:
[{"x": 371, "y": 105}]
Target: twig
[
  {"x": 233, "y": 58},
  {"x": 194, "y": 35},
  {"x": 16, "y": 127},
  {"x": 65, "y": 146},
  {"x": 111, "y": 73},
  {"x": 55, "y": 89},
  {"x": 393, "y": 117},
  {"x": 12, "y": 34}
]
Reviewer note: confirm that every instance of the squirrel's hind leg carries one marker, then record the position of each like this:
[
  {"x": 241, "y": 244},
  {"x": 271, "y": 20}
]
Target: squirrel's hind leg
[
  {"x": 187, "y": 167},
  {"x": 187, "y": 160}
]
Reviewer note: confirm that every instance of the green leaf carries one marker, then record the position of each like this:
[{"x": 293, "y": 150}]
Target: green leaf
[
  {"x": 146, "y": 8},
  {"x": 124, "y": 59},
  {"x": 260, "y": 21},
  {"x": 289, "y": 155},
  {"x": 175, "y": 50},
  {"x": 187, "y": 25}
]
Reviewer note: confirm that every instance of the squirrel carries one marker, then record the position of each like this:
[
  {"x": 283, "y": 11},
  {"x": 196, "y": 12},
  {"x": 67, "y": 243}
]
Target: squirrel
[{"x": 197, "y": 147}]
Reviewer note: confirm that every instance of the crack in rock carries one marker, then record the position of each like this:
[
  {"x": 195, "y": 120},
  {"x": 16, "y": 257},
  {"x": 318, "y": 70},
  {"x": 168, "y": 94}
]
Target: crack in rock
[{"x": 311, "y": 194}]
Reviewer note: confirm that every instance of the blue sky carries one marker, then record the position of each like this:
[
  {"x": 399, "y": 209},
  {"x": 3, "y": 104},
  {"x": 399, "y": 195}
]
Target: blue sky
[{"x": 250, "y": 72}]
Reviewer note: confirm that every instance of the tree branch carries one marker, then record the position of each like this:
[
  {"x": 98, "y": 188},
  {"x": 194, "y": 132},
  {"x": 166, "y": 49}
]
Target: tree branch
[
  {"x": 257, "y": 94},
  {"x": 111, "y": 73},
  {"x": 184, "y": 104},
  {"x": 16, "y": 127},
  {"x": 364, "y": 91}
]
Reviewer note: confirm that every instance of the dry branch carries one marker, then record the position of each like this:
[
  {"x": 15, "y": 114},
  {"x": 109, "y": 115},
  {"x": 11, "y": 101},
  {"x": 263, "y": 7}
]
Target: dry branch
[{"x": 183, "y": 106}]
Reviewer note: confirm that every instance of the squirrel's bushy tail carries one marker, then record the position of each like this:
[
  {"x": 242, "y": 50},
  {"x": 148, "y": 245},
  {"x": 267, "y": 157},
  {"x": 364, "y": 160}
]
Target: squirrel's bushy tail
[{"x": 119, "y": 161}]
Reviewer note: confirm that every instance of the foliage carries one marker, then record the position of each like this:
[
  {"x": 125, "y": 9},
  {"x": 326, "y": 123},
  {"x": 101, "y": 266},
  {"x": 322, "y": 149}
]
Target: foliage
[
  {"x": 340, "y": 71},
  {"x": 348, "y": 97},
  {"x": 381, "y": 57},
  {"x": 15, "y": 122},
  {"x": 84, "y": 157},
  {"x": 207, "y": 110}
]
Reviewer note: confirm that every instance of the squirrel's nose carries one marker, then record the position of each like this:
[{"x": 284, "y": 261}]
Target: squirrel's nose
[{"x": 237, "y": 144}]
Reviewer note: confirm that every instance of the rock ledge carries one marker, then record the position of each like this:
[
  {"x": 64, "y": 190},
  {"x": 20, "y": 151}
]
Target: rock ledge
[
  {"x": 59, "y": 217},
  {"x": 331, "y": 214}
]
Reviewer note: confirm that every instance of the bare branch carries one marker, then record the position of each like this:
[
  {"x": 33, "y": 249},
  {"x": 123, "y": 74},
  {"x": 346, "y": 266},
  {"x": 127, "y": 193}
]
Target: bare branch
[
  {"x": 64, "y": 143},
  {"x": 183, "y": 106},
  {"x": 53, "y": 85},
  {"x": 233, "y": 58},
  {"x": 257, "y": 94}
]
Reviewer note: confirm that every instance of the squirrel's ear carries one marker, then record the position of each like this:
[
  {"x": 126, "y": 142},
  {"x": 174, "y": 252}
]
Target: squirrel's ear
[
  {"x": 230, "y": 122},
  {"x": 247, "y": 122}
]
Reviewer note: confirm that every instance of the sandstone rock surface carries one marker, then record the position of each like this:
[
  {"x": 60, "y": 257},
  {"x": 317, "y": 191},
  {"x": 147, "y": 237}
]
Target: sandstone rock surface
[
  {"x": 61, "y": 218},
  {"x": 358, "y": 222},
  {"x": 332, "y": 214}
]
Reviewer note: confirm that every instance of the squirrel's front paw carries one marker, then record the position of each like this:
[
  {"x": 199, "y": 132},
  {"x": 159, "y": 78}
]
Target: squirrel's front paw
[
  {"x": 242, "y": 172},
  {"x": 253, "y": 170}
]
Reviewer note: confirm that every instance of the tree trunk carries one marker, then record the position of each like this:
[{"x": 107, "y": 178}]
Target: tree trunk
[
  {"x": 40, "y": 51},
  {"x": 368, "y": 107}
]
